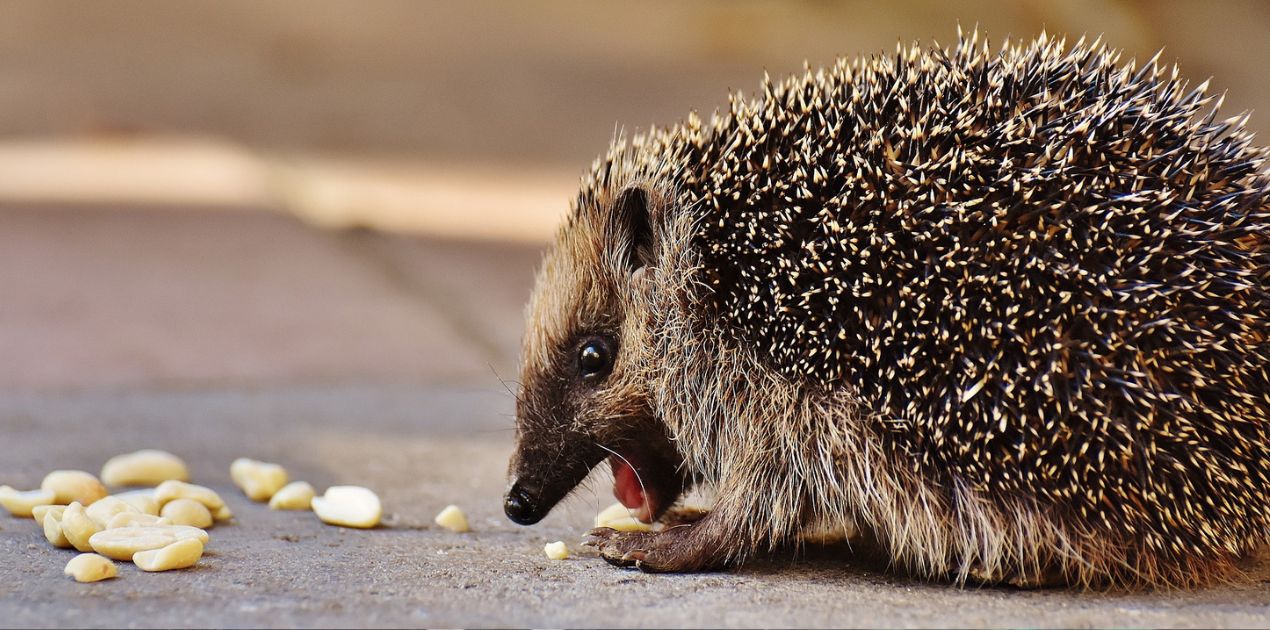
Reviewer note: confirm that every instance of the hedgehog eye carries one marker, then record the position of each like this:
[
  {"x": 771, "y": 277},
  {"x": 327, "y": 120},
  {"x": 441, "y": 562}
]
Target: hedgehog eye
[{"x": 595, "y": 359}]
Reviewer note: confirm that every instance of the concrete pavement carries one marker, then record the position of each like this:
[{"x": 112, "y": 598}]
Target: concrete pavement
[{"x": 368, "y": 359}]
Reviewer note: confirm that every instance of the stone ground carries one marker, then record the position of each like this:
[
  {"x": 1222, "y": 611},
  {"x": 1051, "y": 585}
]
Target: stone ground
[{"x": 372, "y": 360}]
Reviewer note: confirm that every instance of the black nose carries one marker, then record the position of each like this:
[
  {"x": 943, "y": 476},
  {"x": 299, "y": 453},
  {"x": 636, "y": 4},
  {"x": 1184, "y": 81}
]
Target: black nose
[{"x": 520, "y": 507}]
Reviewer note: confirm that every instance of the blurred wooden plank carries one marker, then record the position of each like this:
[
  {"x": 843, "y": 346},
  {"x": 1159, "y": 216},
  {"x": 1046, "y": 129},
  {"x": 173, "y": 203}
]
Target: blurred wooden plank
[{"x": 486, "y": 202}]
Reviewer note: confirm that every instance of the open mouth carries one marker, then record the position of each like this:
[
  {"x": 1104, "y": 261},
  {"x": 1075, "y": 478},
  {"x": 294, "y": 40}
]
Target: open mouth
[
  {"x": 648, "y": 473},
  {"x": 629, "y": 488}
]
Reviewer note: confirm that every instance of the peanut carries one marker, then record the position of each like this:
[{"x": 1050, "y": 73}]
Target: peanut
[
  {"x": 172, "y": 490},
  {"x": 556, "y": 550},
  {"x": 122, "y": 543},
  {"x": 90, "y": 567},
  {"x": 258, "y": 480},
  {"x": 105, "y": 509},
  {"x": 21, "y": 503},
  {"x": 69, "y": 486},
  {"x": 40, "y": 510},
  {"x": 77, "y": 527},
  {"x": 348, "y": 506},
  {"x": 183, "y": 532},
  {"x": 135, "y": 519},
  {"x": 187, "y": 512},
  {"x": 618, "y": 517},
  {"x": 53, "y": 529},
  {"x": 143, "y": 500},
  {"x": 178, "y": 555},
  {"x": 297, "y": 495},
  {"x": 147, "y": 467},
  {"x": 453, "y": 519}
]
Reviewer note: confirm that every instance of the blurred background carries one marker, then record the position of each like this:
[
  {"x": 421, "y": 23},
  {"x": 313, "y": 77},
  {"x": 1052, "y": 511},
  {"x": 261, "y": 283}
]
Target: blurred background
[
  {"x": 181, "y": 183},
  {"x": 304, "y": 231}
]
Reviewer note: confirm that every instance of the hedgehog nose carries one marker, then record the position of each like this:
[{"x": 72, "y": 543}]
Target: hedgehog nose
[{"x": 520, "y": 506}]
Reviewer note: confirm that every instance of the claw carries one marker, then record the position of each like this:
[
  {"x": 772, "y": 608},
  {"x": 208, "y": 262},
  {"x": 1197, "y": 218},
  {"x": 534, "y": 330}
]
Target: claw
[
  {"x": 598, "y": 536},
  {"x": 616, "y": 548},
  {"x": 617, "y": 562},
  {"x": 670, "y": 550},
  {"x": 648, "y": 568}
]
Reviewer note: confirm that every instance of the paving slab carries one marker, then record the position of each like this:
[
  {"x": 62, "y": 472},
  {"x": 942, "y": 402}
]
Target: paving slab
[
  {"x": 421, "y": 449},
  {"x": 134, "y": 297},
  {"x": 481, "y": 286}
]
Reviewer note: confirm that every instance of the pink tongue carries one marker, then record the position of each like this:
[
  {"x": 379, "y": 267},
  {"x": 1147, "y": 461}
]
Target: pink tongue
[{"x": 627, "y": 489}]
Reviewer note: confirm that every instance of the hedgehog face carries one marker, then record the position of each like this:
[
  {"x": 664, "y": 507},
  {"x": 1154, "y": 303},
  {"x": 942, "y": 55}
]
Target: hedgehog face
[{"x": 584, "y": 395}]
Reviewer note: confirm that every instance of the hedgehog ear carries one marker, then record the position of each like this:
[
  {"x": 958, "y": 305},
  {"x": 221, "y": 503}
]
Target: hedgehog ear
[{"x": 634, "y": 228}]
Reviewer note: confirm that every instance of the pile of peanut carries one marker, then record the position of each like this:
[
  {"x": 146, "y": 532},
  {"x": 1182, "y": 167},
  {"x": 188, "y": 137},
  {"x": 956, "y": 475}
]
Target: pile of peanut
[
  {"x": 158, "y": 529},
  {"x": 162, "y": 526}
]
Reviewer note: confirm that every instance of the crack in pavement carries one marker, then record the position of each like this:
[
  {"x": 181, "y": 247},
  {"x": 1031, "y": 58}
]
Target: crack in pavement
[{"x": 451, "y": 307}]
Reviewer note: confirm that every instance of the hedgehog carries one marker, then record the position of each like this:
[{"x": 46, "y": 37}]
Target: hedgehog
[{"x": 1006, "y": 312}]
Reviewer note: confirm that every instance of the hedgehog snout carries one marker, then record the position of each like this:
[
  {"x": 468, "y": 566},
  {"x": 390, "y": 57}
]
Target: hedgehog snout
[
  {"x": 520, "y": 506},
  {"x": 546, "y": 467}
]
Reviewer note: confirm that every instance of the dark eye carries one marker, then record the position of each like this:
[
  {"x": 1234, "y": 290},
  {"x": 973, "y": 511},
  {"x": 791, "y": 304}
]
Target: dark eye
[{"x": 595, "y": 359}]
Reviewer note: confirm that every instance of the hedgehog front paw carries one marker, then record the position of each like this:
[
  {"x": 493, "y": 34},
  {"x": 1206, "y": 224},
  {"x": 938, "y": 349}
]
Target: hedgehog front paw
[
  {"x": 620, "y": 549},
  {"x": 674, "y": 550}
]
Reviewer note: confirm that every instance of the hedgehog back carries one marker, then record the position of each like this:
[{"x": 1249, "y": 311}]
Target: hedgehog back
[{"x": 1045, "y": 274}]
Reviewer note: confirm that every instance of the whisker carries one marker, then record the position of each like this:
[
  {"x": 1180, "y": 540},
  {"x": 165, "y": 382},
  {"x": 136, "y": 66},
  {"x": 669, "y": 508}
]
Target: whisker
[
  {"x": 643, "y": 490},
  {"x": 504, "y": 383}
]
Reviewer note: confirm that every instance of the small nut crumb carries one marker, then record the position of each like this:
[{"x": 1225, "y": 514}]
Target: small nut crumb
[
  {"x": 556, "y": 550},
  {"x": 187, "y": 512},
  {"x": 135, "y": 519},
  {"x": 90, "y": 567},
  {"x": 178, "y": 555},
  {"x": 297, "y": 495},
  {"x": 618, "y": 516},
  {"x": 69, "y": 486},
  {"x": 172, "y": 490},
  {"x": 348, "y": 506},
  {"x": 143, "y": 500},
  {"x": 453, "y": 519},
  {"x": 223, "y": 514},
  {"x": 53, "y": 529},
  {"x": 21, "y": 503},
  {"x": 258, "y": 480},
  {"x": 146, "y": 467},
  {"x": 77, "y": 527},
  {"x": 105, "y": 509}
]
